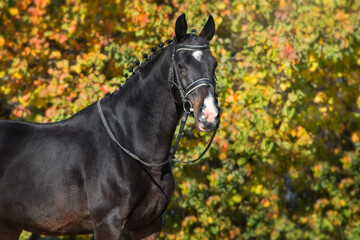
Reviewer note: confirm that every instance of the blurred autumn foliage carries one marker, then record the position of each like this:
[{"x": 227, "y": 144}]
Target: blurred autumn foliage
[{"x": 285, "y": 163}]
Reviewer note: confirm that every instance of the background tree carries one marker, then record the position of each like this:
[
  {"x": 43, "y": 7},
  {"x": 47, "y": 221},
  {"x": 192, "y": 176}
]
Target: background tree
[{"x": 285, "y": 163}]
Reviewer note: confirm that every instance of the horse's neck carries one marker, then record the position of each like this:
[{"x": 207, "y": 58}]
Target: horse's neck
[{"x": 145, "y": 112}]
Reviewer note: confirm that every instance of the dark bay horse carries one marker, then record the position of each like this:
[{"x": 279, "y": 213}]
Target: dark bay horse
[{"x": 71, "y": 177}]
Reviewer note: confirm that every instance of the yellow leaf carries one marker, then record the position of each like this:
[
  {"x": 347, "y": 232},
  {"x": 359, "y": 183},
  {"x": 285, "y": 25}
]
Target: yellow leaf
[
  {"x": 358, "y": 100},
  {"x": 221, "y": 6},
  {"x": 240, "y": 8},
  {"x": 284, "y": 86},
  {"x": 314, "y": 66},
  {"x": 355, "y": 137},
  {"x": 300, "y": 131},
  {"x": 5, "y": 90},
  {"x": 331, "y": 100},
  {"x": 283, "y": 4},
  {"x": 323, "y": 109},
  {"x": 2, "y": 41},
  {"x": 293, "y": 133},
  {"x": 257, "y": 189},
  {"x": 237, "y": 198},
  {"x": 76, "y": 68},
  {"x": 13, "y": 11},
  {"x": 320, "y": 97},
  {"x": 252, "y": 79},
  {"x": 17, "y": 75},
  {"x": 265, "y": 202}
]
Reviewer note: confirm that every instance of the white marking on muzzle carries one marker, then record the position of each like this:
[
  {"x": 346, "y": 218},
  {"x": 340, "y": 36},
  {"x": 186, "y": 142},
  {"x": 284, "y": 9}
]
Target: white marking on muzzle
[
  {"x": 197, "y": 55},
  {"x": 210, "y": 110}
]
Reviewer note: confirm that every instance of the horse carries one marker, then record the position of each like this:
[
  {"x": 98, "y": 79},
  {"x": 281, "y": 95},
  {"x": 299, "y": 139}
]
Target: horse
[{"x": 105, "y": 170}]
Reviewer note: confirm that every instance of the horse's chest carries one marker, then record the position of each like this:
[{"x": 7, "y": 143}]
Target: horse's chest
[{"x": 151, "y": 204}]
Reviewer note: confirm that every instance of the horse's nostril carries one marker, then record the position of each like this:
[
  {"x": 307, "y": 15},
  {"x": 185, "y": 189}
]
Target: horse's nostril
[
  {"x": 208, "y": 115},
  {"x": 201, "y": 117}
]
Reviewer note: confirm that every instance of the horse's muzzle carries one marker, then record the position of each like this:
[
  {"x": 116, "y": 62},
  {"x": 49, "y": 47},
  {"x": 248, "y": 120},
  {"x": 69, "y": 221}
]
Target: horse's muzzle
[{"x": 208, "y": 121}]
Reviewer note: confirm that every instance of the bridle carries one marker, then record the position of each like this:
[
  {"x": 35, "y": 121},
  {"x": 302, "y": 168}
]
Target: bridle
[{"x": 173, "y": 80}]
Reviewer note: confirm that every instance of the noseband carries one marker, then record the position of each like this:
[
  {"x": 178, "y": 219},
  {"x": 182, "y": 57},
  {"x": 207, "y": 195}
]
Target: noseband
[{"x": 187, "y": 105}]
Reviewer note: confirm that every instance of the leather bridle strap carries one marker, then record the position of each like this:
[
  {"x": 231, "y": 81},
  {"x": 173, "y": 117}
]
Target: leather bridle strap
[
  {"x": 184, "y": 93},
  {"x": 192, "y": 47},
  {"x": 108, "y": 130},
  {"x": 174, "y": 79},
  {"x": 198, "y": 83},
  {"x": 173, "y": 148},
  {"x": 172, "y": 151},
  {"x": 203, "y": 153}
]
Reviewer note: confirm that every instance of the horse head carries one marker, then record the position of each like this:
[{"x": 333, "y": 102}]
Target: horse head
[{"x": 194, "y": 73}]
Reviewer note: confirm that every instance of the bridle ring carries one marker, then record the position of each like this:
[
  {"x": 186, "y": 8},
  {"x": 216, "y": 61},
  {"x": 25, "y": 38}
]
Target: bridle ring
[{"x": 187, "y": 105}]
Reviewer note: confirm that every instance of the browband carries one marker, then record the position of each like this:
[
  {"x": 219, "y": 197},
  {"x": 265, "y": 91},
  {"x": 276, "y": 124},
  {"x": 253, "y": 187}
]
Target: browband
[{"x": 192, "y": 47}]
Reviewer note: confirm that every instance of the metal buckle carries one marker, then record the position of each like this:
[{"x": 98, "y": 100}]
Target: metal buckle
[{"x": 187, "y": 103}]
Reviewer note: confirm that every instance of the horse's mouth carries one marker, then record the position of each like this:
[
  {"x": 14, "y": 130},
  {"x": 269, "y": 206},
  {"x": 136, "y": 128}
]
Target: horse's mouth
[{"x": 208, "y": 127}]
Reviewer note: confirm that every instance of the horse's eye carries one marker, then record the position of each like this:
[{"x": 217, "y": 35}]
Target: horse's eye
[{"x": 180, "y": 65}]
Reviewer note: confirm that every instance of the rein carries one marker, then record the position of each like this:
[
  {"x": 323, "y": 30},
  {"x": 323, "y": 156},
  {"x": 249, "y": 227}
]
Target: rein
[{"x": 187, "y": 106}]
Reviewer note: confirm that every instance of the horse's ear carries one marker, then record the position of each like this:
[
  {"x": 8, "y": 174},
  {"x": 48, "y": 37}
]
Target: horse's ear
[
  {"x": 209, "y": 29},
  {"x": 180, "y": 27}
]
